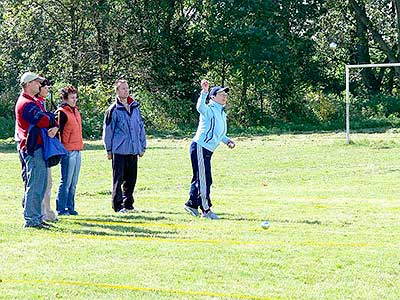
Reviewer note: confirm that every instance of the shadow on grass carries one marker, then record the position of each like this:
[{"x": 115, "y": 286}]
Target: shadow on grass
[
  {"x": 127, "y": 218},
  {"x": 309, "y": 222},
  {"x": 88, "y": 226},
  {"x": 123, "y": 230}
]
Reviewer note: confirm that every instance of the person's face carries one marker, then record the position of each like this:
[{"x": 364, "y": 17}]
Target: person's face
[
  {"x": 33, "y": 87},
  {"x": 221, "y": 98},
  {"x": 44, "y": 91},
  {"x": 71, "y": 100},
  {"x": 123, "y": 90}
]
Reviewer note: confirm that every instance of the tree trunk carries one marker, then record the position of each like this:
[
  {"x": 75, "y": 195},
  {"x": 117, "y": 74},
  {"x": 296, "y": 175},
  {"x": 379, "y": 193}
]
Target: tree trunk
[
  {"x": 359, "y": 11},
  {"x": 363, "y": 57}
]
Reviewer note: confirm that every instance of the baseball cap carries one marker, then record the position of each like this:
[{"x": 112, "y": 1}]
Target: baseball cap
[
  {"x": 46, "y": 82},
  {"x": 29, "y": 76},
  {"x": 217, "y": 89}
]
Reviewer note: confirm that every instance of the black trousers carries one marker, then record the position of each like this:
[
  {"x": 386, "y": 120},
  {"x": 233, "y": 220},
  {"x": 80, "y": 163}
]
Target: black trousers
[{"x": 124, "y": 180}]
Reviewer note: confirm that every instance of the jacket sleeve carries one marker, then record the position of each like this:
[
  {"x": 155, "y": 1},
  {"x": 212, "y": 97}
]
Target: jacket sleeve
[
  {"x": 35, "y": 116},
  {"x": 201, "y": 105},
  {"x": 108, "y": 130},
  {"x": 142, "y": 132},
  {"x": 225, "y": 139},
  {"x": 62, "y": 120}
]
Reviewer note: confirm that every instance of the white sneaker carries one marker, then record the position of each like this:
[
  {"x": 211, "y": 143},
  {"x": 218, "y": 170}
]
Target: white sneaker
[
  {"x": 122, "y": 211},
  {"x": 194, "y": 212},
  {"x": 210, "y": 215}
]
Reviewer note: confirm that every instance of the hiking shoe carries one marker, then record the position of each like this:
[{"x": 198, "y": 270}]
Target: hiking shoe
[
  {"x": 210, "y": 215},
  {"x": 193, "y": 211}
]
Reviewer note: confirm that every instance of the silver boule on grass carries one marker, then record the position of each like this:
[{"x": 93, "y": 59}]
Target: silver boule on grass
[{"x": 265, "y": 224}]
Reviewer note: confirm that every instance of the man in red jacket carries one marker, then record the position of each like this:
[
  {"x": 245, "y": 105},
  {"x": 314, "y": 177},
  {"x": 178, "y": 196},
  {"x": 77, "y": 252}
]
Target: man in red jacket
[{"x": 29, "y": 113}]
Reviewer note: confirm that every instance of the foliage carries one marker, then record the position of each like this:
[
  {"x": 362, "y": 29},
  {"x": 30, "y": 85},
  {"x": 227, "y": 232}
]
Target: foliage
[{"x": 274, "y": 55}]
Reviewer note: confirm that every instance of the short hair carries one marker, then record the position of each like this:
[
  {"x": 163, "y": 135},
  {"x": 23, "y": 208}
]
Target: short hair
[
  {"x": 118, "y": 82},
  {"x": 66, "y": 91}
]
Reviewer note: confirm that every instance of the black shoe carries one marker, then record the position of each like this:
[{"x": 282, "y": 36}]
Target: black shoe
[
  {"x": 40, "y": 226},
  {"x": 73, "y": 213}
]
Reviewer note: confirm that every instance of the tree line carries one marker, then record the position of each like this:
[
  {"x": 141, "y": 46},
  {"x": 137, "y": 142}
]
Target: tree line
[{"x": 273, "y": 54}]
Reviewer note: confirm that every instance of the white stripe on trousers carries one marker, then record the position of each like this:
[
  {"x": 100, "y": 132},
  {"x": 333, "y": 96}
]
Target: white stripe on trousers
[{"x": 202, "y": 177}]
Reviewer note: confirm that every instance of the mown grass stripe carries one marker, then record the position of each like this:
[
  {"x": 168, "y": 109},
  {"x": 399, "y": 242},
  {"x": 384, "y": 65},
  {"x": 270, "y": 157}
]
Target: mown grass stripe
[
  {"x": 227, "y": 242},
  {"x": 138, "y": 288}
]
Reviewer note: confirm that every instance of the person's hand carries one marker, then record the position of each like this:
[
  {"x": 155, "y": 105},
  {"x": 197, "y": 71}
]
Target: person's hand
[
  {"x": 141, "y": 154},
  {"x": 231, "y": 144},
  {"x": 109, "y": 156},
  {"x": 205, "y": 85},
  {"x": 52, "y": 132}
]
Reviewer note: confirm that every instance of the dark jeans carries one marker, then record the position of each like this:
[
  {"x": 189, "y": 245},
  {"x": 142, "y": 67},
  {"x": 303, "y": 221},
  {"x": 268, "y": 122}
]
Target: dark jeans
[
  {"x": 199, "y": 195},
  {"x": 124, "y": 180}
]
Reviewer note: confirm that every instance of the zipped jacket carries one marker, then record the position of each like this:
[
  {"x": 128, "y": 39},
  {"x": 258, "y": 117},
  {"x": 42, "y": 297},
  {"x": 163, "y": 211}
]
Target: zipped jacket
[
  {"x": 123, "y": 130},
  {"x": 212, "y": 124}
]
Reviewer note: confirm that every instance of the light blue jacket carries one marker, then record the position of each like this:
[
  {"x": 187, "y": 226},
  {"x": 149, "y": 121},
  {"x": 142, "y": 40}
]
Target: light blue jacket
[
  {"x": 212, "y": 124},
  {"x": 123, "y": 131}
]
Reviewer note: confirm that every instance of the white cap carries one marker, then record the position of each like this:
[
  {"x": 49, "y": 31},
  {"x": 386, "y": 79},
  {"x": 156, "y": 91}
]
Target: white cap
[{"x": 29, "y": 76}]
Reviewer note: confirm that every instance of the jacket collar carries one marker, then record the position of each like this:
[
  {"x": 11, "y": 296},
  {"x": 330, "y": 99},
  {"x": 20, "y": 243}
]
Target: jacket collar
[
  {"x": 68, "y": 106},
  {"x": 131, "y": 102},
  {"x": 217, "y": 105}
]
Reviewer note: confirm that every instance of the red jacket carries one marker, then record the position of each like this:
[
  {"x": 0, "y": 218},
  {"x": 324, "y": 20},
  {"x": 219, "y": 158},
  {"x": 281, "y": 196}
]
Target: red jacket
[{"x": 29, "y": 112}]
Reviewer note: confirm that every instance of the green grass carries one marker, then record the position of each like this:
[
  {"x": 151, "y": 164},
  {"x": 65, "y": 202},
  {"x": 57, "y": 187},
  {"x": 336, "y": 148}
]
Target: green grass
[{"x": 334, "y": 211}]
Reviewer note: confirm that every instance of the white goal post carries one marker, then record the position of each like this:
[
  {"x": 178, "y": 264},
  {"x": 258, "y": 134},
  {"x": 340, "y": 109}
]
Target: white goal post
[{"x": 348, "y": 67}]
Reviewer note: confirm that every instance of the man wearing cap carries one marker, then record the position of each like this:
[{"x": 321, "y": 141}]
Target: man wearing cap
[
  {"x": 29, "y": 113},
  {"x": 211, "y": 131}
]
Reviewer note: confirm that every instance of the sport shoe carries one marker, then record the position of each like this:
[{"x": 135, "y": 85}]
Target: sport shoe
[
  {"x": 122, "y": 211},
  {"x": 73, "y": 212},
  {"x": 194, "y": 212},
  {"x": 129, "y": 210},
  {"x": 210, "y": 215}
]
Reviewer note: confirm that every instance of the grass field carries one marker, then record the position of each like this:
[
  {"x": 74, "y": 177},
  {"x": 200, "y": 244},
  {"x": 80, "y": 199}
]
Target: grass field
[{"x": 334, "y": 211}]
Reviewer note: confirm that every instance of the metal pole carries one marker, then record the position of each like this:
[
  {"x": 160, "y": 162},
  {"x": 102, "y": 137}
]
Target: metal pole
[
  {"x": 387, "y": 65},
  {"x": 347, "y": 105}
]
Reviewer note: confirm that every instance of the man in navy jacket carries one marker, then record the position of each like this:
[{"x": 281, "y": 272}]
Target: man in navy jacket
[{"x": 124, "y": 139}]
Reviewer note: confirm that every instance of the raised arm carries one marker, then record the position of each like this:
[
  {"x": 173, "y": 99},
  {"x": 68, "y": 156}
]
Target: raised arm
[{"x": 201, "y": 105}]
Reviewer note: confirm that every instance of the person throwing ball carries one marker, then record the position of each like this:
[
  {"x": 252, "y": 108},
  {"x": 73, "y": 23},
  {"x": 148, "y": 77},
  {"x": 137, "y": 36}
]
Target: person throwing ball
[{"x": 210, "y": 132}]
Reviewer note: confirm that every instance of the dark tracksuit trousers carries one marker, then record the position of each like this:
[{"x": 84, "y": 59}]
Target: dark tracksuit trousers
[
  {"x": 124, "y": 180},
  {"x": 199, "y": 195}
]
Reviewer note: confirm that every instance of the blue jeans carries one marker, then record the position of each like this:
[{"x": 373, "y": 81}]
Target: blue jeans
[
  {"x": 36, "y": 182},
  {"x": 70, "y": 167}
]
